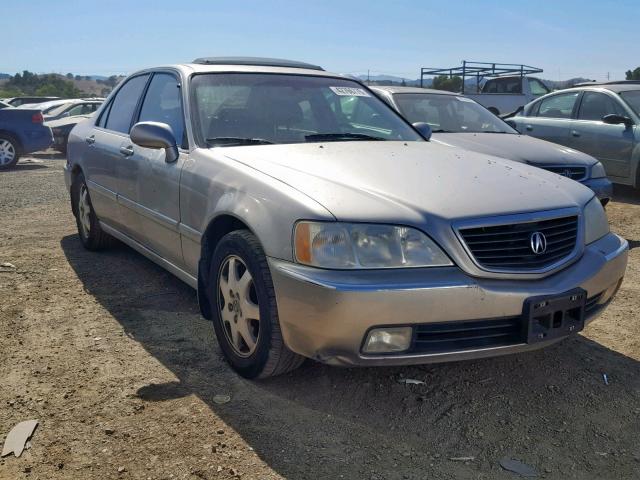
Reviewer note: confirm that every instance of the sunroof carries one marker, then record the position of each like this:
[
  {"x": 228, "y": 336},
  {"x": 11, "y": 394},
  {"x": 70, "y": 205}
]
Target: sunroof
[{"x": 257, "y": 61}]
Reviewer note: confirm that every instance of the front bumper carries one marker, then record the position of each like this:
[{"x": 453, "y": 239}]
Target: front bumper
[
  {"x": 326, "y": 314},
  {"x": 602, "y": 187}
]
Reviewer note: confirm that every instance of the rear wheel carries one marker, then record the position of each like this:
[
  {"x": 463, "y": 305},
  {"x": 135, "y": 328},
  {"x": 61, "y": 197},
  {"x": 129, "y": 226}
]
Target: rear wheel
[
  {"x": 245, "y": 316},
  {"x": 9, "y": 153},
  {"x": 91, "y": 234}
]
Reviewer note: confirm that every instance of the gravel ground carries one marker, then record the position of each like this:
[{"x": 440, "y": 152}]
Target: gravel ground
[{"x": 110, "y": 354}]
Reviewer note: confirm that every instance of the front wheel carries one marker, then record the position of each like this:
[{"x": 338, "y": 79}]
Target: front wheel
[{"x": 245, "y": 314}]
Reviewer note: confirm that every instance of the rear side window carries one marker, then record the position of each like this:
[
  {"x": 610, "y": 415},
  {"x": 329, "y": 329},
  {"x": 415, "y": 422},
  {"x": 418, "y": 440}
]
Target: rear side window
[
  {"x": 537, "y": 87},
  {"x": 558, "y": 106},
  {"x": 163, "y": 103},
  {"x": 124, "y": 105},
  {"x": 596, "y": 105}
]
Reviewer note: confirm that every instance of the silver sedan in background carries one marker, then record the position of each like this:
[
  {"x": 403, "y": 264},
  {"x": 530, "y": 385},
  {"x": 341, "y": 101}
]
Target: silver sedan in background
[
  {"x": 601, "y": 120},
  {"x": 459, "y": 121}
]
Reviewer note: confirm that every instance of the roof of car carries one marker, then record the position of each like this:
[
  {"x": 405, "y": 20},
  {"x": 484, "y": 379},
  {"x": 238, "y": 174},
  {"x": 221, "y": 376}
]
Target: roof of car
[
  {"x": 393, "y": 89},
  {"x": 613, "y": 87},
  {"x": 256, "y": 61}
]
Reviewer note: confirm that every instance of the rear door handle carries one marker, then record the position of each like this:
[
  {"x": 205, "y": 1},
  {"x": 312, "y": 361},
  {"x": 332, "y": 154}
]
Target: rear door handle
[
  {"x": 126, "y": 151},
  {"x": 90, "y": 140},
  {"x": 575, "y": 133}
]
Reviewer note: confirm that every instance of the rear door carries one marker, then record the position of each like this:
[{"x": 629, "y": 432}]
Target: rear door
[
  {"x": 611, "y": 144},
  {"x": 149, "y": 187},
  {"x": 103, "y": 154},
  {"x": 552, "y": 118}
]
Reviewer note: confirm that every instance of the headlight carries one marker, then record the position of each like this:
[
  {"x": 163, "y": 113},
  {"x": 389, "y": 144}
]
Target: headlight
[
  {"x": 597, "y": 171},
  {"x": 596, "y": 224},
  {"x": 356, "y": 246}
]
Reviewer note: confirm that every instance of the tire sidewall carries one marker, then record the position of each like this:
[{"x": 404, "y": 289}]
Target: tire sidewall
[
  {"x": 88, "y": 241},
  {"x": 16, "y": 149},
  {"x": 236, "y": 244}
]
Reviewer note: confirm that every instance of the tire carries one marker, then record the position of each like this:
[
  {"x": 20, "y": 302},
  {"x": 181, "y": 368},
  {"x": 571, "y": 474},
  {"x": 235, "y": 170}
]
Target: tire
[
  {"x": 9, "y": 151},
  {"x": 91, "y": 234},
  {"x": 237, "y": 300}
]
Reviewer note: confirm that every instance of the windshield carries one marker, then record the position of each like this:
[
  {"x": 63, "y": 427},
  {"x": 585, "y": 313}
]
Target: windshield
[
  {"x": 252, "y": 109},
  {"x": 632, "y": 97},
  {"x": 449, "y": 113}
]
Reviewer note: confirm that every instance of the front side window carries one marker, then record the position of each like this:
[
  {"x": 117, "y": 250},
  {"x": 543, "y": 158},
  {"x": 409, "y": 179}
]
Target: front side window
[
  {"x": 558, "y": 106},
  {"x": 239, "y": 109},
  {"x": 449, "y": 113},
  {"x": 537, "y": 87},
  {"x": 596, "y": 105},
  {"x": 124, "y": 104},
  {"x": 632, "y": 97},
  {"x": 163, "y": 103}
]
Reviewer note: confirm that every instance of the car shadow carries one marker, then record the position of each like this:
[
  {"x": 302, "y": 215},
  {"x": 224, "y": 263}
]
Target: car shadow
[
  {"x": 552, "y": 407},
  {"x": 626, "y": 194}
]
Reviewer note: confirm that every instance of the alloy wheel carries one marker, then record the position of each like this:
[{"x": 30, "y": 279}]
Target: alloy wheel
[
  {"x": 238, "y": 306},
  {"x": 7, "y": 152}
]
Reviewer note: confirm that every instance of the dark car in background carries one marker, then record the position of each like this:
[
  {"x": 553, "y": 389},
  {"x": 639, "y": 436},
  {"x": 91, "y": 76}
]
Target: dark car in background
[
  {"x": 598, "y": 119},
  {"x": 459, "y": 121},
  {"x": 61, "y": 128}
]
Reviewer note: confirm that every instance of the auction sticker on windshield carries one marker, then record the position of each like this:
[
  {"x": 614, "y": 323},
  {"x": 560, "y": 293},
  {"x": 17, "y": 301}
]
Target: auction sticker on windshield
[{"x": 350, "y": 92}]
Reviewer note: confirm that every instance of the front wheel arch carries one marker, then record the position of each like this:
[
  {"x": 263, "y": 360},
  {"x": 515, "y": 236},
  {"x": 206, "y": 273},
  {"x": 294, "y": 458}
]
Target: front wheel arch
[{"x": 215, "y": 231}]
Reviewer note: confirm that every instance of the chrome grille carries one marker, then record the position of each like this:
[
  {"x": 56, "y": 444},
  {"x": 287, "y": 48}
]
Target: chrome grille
[
  {"x": 508, "y": 247},
  {"x": 574, "y": 173}
]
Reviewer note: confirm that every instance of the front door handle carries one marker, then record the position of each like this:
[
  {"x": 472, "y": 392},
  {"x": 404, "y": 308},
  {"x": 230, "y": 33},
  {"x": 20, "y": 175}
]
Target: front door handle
[
  {"x": 528, "y": 128},
  {"x": 90, "y": 140},
  {"x": 575, "y": 133},
  {"x": 126, "y": 151}
]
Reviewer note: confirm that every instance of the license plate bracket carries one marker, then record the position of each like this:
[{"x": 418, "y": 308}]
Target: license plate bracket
[{"x": 552, "y": 316}]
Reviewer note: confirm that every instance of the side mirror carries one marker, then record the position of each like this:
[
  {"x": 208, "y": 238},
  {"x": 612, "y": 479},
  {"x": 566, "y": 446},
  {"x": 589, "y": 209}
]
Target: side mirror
[
  {"x": 155, "y": 135},
  {"x": 423, "y": 129},
  {"x": 615, "y": 119}
]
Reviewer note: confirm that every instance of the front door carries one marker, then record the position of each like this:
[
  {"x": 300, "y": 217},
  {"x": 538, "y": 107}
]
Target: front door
[
  {"x": 611, "y": 144},
  {"x": 149, "y": 186}
]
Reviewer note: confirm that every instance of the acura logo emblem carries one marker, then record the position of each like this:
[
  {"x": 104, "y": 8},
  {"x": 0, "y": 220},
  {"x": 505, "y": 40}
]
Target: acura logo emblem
[{"x": 538, "y": 243}]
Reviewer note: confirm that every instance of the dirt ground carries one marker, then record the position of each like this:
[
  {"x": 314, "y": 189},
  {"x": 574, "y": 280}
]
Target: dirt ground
[{"x": 109, "y": 352}]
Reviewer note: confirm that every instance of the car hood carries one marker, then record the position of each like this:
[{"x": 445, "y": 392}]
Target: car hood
[
  {"x": 520, "y": 148},
  {"x": 409, "y": 181}
]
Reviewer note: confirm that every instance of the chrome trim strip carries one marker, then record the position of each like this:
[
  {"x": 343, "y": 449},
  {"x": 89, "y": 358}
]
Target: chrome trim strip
[
  {"x": 524, "y": 218},
  {"x": 154, "y": 257},
  {"x": 191, "y": 233},
  {"x": 105, "y": 192},
  {"x": 157, "y": 217}
]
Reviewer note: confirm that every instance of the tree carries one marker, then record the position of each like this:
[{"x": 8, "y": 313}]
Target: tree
[
  {"x": 31, "y": 84},
  {"x": 444, "y": 82},
  {"x": 633, "y": 74},
  {"x": 69, "y": 76}
]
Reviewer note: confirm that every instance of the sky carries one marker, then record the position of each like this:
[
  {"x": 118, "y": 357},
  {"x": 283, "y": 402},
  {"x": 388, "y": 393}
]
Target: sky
[{"x": 583, "y": 38}]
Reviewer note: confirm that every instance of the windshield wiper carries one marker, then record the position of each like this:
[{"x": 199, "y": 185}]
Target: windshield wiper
[
  {"x": 440, "y": 130},
  {"x": 234, "y": 141},
  {"x": 488, "y": 131},
  {"x": 336, "y": 137}
]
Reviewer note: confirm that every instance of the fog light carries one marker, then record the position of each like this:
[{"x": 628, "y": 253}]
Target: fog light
[{"x": 385, "y": 340}]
